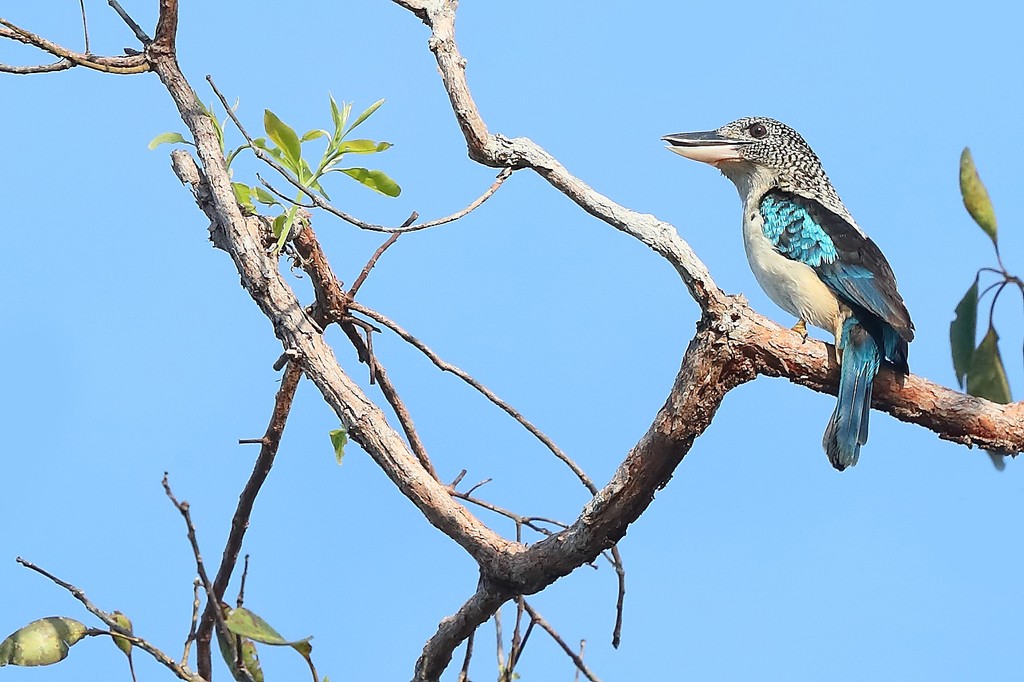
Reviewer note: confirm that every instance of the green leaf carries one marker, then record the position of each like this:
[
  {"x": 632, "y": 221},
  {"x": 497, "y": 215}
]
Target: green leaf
[
  {"x": 362, "y": 147},
  {"x": 282, "y": 227},
  {"x": 234, "y": 152},
  {"x": 167, "y": 138},
  {"x": 243, "y": 195},
  {"x": 336, "y": 114},
  {"x": 962, "y": 332},
  {"x": 339, "y": 438},
  {"x": 305, "y": 173},
  {"x": 279, "y": 224},
  {"x": 245, "y": 623},
  {"x": 975, "y": 196},
  {"x": 284, "y": 137},
  {"x": 251, "y": 660},
  {"x": 365, "y": 115},
  {"x": 41, "y": 642},
  {"x": 987, "y": 378},
  {"x": 126, "y": 624},
  {"x": 313, "y": 134},
  {"x": 265, "y": 197},
  {"x": 374, "y": 179}
]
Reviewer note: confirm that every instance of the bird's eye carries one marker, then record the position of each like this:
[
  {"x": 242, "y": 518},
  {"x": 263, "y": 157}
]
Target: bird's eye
[{"x": 757, "y": 130}]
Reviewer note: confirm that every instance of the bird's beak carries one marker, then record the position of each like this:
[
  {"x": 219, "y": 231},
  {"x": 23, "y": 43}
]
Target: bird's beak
[{"x": 708, "y": 146}]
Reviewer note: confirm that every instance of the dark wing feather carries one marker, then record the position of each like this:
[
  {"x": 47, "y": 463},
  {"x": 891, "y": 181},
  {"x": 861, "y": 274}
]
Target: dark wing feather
[{"x": 851, "y": 264}]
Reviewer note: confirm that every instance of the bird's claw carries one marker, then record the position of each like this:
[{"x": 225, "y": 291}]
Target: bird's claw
[{"x": 801, "y": 328}]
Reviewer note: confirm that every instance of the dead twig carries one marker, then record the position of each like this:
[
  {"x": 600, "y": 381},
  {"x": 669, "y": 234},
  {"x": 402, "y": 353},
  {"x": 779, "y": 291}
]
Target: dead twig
[
  {"x": 270, "y": 442},
  {"x": 576, "y": 658}
]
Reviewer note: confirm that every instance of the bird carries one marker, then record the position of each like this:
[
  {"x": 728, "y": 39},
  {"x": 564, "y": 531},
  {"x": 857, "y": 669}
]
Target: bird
[{"x": 811, "y": 258}]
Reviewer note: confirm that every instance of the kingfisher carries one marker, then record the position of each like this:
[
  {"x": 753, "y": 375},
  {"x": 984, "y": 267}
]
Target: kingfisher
[{"x": 813, "y": 261}]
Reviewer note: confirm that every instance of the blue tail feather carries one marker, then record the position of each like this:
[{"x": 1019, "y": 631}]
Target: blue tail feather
[{"x": 847, "y": 430}]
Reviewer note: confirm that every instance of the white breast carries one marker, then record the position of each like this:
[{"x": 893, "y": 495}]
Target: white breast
[{"x": 793, "y": 286}]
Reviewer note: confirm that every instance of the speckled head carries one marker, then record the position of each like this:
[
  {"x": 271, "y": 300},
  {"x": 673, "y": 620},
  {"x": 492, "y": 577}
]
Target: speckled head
[{"x": 772, "y": 150}]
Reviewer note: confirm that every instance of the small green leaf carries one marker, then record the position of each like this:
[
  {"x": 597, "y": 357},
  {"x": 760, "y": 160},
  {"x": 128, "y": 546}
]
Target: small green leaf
[
  {"x": 305, "y": 173},
  {"x": 167, "y": 138},
  {"x": 264, "y": 197},
  {"x": 987, "y": 378},
  {"x": 284, "y": 137},
  {"x": 313, "y": 134},
  {"x": 251, "y": 660},
  {"x": 126, "y": 624},
  {"x": 365, "y": 115},
  {"x": 339, "y": 438},
  {"x": 336, "y": 114},
  {"x": 41, "y": 642},
  {"x": 243, "y": 195},
  {"x": 346, "y": 111},
  {"x": 282, "y": 227},
  {"x": 962, "y": 332},
  {"x": 976, "y": 198},
  {"x": 374, "y": 179},
  {"x": 123, "y": 644},
  {"x": 362, "y": 147},
  {"x": 234, "y": 152}
]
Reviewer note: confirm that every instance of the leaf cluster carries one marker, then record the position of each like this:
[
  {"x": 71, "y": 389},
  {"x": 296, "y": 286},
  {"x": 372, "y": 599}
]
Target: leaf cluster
[{"x": 979, "y": 366}]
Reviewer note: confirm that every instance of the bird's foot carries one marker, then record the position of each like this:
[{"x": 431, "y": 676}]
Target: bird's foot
[{"x": 801, "y": 328}]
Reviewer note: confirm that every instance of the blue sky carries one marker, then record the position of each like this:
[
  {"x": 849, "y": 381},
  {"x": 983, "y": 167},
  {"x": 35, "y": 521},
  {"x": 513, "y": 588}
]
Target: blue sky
[{"x": 130, "y": 348}]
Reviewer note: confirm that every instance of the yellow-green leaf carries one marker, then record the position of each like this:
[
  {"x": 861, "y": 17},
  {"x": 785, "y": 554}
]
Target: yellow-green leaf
[
  {"x": 375, "y": 180},
  {"x": 126, "y": 624},
  {"x": 975, "y": 196},
  {"x": 987, "y": 378},
  {"x": 962, "y": 332},
  {"x": 167, "y": 138},
  {"x": 339, "y": 437},
  {"x": 251, "y": 659},
  {"x": 243, "y": 195},
  {"x": 285, "y": 137},
  {"x": 245, "y": 623},
  {"x": 41, "y": 642},
  {"x": 365, "y": 115}
]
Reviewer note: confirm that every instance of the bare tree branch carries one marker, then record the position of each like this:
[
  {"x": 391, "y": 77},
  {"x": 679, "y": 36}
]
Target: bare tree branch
[{"x": 121, "y": 65}]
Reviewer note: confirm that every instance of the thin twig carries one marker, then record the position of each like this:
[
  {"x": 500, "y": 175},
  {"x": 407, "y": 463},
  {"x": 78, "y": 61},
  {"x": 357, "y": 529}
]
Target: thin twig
[
  {"x": 211, "y": 596},
  {"x": 62, "y": 65},
  {"x": 326, "y": 206},
  {"x": 195, "y": 621},
  {"x": 486, "y": 392},
  {"x": 499, "y": 646},
  {"x": 240, "y": 520},
  {"x": 85, "y": 26},
  {"x": 373, "y": 259},
  {"x": 282, "y": 195},
  {"x": 583, "y": 646},
  {"x": 620, "y": 576},
  {"x": 241, "y": 586},
  {"x": 576, "y": 659},
  {"x": 181, "y": 670},
  {"x": 126, "y": 18},
  {"x": 464, "y": 673},
  {"x": 365, "y": 350}
]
